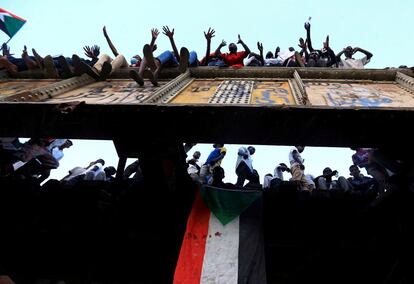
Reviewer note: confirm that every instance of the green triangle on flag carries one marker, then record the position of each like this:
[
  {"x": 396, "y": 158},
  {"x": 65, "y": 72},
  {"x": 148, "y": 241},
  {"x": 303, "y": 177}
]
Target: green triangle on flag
[
  {"x": 228, "y": 204},
  {"x": 13, "y": 25},
  {"x": 10, "y": 23}
]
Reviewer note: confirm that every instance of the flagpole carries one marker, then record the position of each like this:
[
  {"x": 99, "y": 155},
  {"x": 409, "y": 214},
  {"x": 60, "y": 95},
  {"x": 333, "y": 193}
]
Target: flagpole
[{"x": 2, "y": 46}]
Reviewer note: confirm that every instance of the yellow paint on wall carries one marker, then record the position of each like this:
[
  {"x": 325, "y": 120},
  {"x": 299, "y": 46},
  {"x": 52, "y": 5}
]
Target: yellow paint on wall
[
  {"x": 198, "y": 92},
  {"x": 12, "y": 87},
  {"x": 272, "y": 93},
  {"x": 359, "y": 94},
  {"x": 110, "y": 92}
]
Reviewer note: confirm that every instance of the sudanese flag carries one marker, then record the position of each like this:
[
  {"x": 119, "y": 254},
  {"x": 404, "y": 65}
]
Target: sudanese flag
[
  {"x": 10, "y": 23},
  {"x": 223, "y": 242}
]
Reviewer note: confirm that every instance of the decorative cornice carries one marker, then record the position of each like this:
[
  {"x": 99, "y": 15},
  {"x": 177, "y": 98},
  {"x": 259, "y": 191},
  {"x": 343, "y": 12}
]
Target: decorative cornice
[
  {"x": 299, "y": 89},
  {"x": 50, "y": 91},
  {"x": 405, "y": 81},
  {"x": 171, "y": 89}
]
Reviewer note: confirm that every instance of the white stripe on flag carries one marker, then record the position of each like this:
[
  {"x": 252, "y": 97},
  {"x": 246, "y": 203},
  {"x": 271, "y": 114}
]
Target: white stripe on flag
[{"x": 221, "y": 258}]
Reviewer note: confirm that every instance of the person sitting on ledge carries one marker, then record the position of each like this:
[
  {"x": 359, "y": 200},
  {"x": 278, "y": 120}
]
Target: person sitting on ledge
[
  {"x": 325, "y": 181},
  {"x": 359, "y": 183},
  {"x": 233, "y": 58},
  {"x": 143, "y": 63},
  {"x": 351, "y": 63},
  {"x": 14, "y": 65},
  {"x": 166, "y": 59},
  {"x": 105, "y": 65},
  {"x": 217, "y": 179}
]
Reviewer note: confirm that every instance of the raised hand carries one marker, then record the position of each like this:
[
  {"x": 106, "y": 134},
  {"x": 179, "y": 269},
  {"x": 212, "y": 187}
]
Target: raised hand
[
  {"x": 240, "y": 40},
  {"x": 167, "y": 31},
  {"x": 260, "y": 46},
  {"x": 223, "y": 43},
  {"x": 209, "y": 34},
  {"x": 96, "y": 50},
  {"x": 154, "y": 33},
  {"x": 24, "y": 52},
  {"x": 302, "y": 43},
  {"x": 104, "y": 31},
  {"x": 6, "y": 49},
  {"x": 277, "y": 51},
  {"x": 326, "y": 43},
  {"x": 92, "y": 52}
]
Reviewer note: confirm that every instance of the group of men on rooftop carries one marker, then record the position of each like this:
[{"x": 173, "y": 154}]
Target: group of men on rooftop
[{"x": 101, "y": 66}]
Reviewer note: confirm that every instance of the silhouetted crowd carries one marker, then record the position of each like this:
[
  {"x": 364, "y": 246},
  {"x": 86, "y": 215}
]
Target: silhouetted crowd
[{"x": 378, "y": 164}]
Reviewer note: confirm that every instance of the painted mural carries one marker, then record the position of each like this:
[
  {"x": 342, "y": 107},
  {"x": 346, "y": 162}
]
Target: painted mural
[
  {"x": 198, "y": 92},
  {"x": 359, "y": 95},
  {"x": 233, "y": 92},
  {"x": 264, "y": 92},
  {"x": 110, "y": 92},
  {"x": 12, "y": 87},
  {"x": 272, "y": 93}
]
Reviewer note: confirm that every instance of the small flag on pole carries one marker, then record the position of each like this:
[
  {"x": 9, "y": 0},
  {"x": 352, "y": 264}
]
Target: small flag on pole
[{"x": 10, "y": 23}]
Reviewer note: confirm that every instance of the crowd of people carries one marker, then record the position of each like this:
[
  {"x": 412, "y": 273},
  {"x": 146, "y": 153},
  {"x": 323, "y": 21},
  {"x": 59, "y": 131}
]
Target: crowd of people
[
  {"x": 380, "y": 167},
  {"x": 100, "y": 66},
  {"x": 34, "y": 159}
]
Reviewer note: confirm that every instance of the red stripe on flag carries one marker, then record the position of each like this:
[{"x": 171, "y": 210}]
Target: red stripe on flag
[
  {"x": 11, "y": 14},
  {"x": 190, "y": 261}
]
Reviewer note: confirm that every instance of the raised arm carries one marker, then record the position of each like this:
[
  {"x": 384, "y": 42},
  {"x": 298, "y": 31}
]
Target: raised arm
[
  {"x": 333, "y": 59},
  {"x": 304, "y": 50},
  {"x": 338, "y": 56},
  {"x": 208, "y": 35},
  {"x": 260, "y": 47},
  {"x": 108, "y": 40},
  {"x": 154, "y": 34},
  {"x": 170, "y": 35},
  {"x": 367, "y": 53},
  {"x": 308, "y": 36},
  {"x": 5, "y": 49},
  {"x": 218, "y": 52},
  {"x": 92, "y": 51},
  {"x": 246, "y": 48}
]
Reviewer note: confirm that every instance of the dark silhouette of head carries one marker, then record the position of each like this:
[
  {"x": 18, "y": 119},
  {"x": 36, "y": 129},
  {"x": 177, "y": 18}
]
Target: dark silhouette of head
[
  {"x": 232, "y": 48},
  {"x": 196, "y": 155},
  {"x": 349, "y": 51}
]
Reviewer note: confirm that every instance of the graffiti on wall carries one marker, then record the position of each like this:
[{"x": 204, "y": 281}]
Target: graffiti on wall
[
  {"x": 111, "y": 92},
  {"x": 359, "y": 95}
]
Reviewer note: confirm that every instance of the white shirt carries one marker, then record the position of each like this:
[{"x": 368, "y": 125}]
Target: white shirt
[
  {"x": 243, "y": 152},
  {"x": 291, "y": 159},
  {"x": 273, "y": 61},
  {"x": 192, "y": 169},
  {"x": 351, "y": 63},
  {"x": 278, "y": 173},
  {"x": 266, "y": 181}
]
